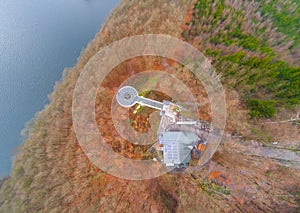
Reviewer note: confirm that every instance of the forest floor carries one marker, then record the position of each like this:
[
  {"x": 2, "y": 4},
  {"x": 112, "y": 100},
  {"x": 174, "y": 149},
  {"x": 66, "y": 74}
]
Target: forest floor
[{"x": 255, "y": 168}]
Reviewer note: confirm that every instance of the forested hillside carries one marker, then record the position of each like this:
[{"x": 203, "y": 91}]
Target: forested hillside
[{"x": 254, "y": 47}]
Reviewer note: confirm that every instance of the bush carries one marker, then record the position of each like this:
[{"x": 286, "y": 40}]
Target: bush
[{"x": 261, "y": 108}]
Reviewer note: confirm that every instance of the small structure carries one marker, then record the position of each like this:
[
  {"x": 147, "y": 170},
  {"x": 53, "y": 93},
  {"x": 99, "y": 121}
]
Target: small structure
[
  {"x": 177, "y": 147},
  {"x": 178, "y": 138}
]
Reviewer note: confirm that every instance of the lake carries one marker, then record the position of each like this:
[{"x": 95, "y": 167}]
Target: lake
[{"x": 38, "y": 39}]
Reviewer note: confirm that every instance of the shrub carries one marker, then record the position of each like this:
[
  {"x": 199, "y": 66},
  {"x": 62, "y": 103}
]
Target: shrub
[{"x": 261, "y": 108}]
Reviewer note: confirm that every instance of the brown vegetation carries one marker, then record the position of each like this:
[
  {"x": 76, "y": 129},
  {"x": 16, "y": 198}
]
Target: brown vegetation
[{"x": 52, "y": 173}]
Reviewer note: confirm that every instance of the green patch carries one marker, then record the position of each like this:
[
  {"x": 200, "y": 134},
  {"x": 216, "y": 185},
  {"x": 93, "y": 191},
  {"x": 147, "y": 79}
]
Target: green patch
[
  {"x": 261, "y": 108},
  {"x": 264, "y": 75},
  {"x": 245, "y": 58},
  {"x": 211, "y": 188},
  {"x": 285, "y": 16},
  {"x": 236, "y": 57}
]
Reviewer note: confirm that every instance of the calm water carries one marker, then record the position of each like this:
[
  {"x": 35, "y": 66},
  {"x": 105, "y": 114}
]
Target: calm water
[{"x": 38, "y": 39}]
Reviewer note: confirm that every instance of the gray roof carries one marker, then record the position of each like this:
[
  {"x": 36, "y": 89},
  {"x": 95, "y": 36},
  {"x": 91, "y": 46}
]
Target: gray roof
[{"x": 175, "y": 146}]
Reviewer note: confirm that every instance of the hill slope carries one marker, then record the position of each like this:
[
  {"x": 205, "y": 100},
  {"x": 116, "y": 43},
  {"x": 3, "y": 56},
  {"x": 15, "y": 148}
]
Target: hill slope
[{"x": 51, "y": 172}]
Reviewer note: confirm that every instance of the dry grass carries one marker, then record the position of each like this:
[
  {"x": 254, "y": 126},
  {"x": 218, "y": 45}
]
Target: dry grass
[{"x": 50, "y": 171}]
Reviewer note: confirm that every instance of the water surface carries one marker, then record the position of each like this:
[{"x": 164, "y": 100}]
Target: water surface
[{"x": 38, "y": 39}]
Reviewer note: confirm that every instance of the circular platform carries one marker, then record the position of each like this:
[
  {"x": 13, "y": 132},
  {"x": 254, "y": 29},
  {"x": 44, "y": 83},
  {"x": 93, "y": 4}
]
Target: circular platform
[{"x": 126, "y": 96}]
